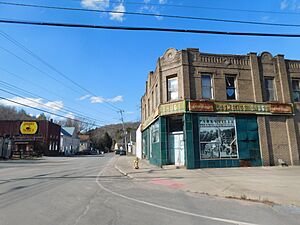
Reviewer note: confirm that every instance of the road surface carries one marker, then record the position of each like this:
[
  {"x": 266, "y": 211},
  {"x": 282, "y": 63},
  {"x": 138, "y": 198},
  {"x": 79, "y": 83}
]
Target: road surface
[{"x": 88, "y": 190}]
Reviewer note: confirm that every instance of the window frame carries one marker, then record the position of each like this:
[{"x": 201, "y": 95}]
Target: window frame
[
  {"x": 169, "y": 78},
  {"x": 210, "y": 87},
  {"x": 155, "y": 132},
  {"x": 274, "y": 89},
  {"x": 156, "y": 96},
  {"x": 298, "y": 91},
  {"x": 218, "y": 133},
  {"x": 234, "y": 87}
]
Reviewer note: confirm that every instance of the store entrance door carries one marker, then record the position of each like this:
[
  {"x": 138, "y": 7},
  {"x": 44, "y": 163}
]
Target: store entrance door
[{"x": 176, "y": 148}]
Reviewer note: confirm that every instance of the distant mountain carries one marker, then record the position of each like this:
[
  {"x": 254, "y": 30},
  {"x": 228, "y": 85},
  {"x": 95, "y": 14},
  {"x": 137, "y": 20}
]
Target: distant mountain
[{"x": 116, "y": 131}]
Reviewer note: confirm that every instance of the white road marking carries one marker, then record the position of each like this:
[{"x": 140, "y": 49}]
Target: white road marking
[{"x": 164, "y": 207}]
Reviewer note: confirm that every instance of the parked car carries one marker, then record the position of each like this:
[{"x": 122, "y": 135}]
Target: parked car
[
  {"x": 117, "y": 151},
  {"x": 122, "y": 152}
]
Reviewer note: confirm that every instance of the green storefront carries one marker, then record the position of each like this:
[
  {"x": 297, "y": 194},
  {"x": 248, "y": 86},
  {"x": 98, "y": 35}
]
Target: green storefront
[{"x": 206, "y": 134}]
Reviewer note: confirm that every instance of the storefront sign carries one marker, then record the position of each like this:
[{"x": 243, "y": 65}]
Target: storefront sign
[
  {"x": 281, "y": 108},
  {"x": 236, "y": 107},
  {"x": 150, "y": 119},
  {"x": 28, "y": 127},
  {"x": 242, "y": 107},
  {"x": 196, "y": 106},
  {"x": 172, "y": 108}
]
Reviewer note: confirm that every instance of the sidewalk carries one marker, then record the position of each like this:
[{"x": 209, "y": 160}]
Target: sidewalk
[{"x": 280, "y": 185}]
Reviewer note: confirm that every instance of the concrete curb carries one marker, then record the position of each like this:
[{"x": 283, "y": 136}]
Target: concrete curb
[{"x": 123, "y": 172}]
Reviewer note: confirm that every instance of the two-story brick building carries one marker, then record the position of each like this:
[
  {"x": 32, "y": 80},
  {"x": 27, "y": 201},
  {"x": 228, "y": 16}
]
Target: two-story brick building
[
  {"x": 31, "y": 137},
  {"x": 212, "y": 110}
]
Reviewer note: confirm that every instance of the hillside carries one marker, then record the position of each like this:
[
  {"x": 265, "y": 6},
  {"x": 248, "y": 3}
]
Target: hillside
[
  {"x": 115, "y": 130},
  {"x": 11, "y": 113}
]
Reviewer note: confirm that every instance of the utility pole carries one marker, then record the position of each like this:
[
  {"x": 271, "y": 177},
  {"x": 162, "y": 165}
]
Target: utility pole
[{"x": 124, "y": 132}]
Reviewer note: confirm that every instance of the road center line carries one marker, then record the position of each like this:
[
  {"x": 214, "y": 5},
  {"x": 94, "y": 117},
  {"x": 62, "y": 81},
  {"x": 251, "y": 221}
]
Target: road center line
[{"x": 164, "y": 207}]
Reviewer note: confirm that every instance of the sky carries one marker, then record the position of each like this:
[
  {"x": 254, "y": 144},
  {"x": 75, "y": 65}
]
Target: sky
[{"x": 112, "y": 65}]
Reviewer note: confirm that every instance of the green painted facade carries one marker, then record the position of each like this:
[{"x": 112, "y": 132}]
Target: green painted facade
[{"x": 247, "y": 141}]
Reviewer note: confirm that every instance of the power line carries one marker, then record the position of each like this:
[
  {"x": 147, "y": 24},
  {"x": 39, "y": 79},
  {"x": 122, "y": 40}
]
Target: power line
[
  {"x": 67, "y": 109},
  {"x": 38, "y": 69},
  {"x": 149, "y": 29},
  {"x": 46, "y": 111},
  {"x": 154, "y": 15},
  {"x": 28, "y": 51},
  {"x": 197, "y": 7},
  {"x": 44, "y": 88}
]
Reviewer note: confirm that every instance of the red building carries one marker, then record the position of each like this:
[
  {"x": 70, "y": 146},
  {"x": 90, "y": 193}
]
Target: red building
[{"x": 32, "y": 137}]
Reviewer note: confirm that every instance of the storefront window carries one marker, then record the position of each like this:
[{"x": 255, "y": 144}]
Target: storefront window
[
  {"x": 155, "y": 132},
  {"x": 217, "y": 137}
]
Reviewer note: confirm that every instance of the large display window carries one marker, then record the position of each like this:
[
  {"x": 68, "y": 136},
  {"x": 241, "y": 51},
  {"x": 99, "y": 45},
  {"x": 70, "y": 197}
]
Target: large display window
[{"x": 217, "y": 137}]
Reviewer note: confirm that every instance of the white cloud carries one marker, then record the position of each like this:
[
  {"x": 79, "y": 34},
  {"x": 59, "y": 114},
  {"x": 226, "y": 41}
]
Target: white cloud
[
  {"x": 283, "y": 4},
  {"x": 118, "y": 98},
  {"x": 152, "y": 8},
  {"x": 120, "y": 15},
  {"x": 95, "y": 4},
  {"x": 99, "y": 99},
  {"x": 162, "y": 1},
  {"x": 34, "y": 102},
  {"x": 56, "y": 105},
  {"x": 83, "y": 97},
  {"x": 70, "y": 115},
  {"x": 293, "y": 5}
]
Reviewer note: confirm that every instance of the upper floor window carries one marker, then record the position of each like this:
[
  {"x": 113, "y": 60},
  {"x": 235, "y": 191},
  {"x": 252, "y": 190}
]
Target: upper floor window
[
  {"x": 230, "y": 87},
  {"x": 270, "y": 89},
  {"x": 148, "y": 107},
  {"x": 296, "y": 90},
  {"x": 172, "y": 88},
  {"x": 206, "y": 86},
  {"x": 156, "y": 95},
  {"x": 152, "y": 101}
]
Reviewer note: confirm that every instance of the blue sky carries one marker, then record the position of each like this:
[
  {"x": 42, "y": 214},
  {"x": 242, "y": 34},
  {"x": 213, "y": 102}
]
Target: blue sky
[{"x": 114, "y": 64}]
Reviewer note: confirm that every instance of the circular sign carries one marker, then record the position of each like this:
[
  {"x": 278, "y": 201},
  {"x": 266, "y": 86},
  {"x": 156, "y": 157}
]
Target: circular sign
[{"x": 28, "y": 127}]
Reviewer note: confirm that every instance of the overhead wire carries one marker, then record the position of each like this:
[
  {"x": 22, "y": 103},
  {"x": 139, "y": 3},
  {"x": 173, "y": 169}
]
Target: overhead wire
[
  {"x": 195, "y": 7},
  {"x": 38, "y": 69},
  {"x": 44, "y": 88},
  {"x": 158, "y": 29},
  {"x": 153, "y": 15},
  {"x": 46, "y": 111},
  {"x": 28, "y": 51},
  {"x": 65, "y": 108}
]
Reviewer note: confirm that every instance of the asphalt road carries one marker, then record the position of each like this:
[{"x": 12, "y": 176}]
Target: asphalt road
[{"x": 88, "y": 190}]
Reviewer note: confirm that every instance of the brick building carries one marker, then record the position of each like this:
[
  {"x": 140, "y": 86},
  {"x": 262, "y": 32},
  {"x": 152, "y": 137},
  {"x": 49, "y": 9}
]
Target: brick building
[
  {"x": 212, "y": 110},
  {"x": 34, "y": 137}
]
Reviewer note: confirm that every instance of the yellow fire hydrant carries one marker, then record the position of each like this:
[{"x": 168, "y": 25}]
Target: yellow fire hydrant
[{"x": 136, "y": 163}]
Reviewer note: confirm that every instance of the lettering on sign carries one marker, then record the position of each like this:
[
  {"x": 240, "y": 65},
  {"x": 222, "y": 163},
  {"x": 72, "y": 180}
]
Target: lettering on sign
[
  {"x": 242, "y": 107},
  {"x": 201, "y": 106},
  {"x": 28, "y": 127},
  {"x": 281, "y": 108},
  {"x": 171, "y": 108},
  {"x": 236, "y": 107}
]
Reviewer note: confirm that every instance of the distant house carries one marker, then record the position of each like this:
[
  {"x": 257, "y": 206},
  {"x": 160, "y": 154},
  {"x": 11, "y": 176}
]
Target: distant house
[
  {"x": 85, "y": 142},
  {"x": 69, "y": 141}
]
